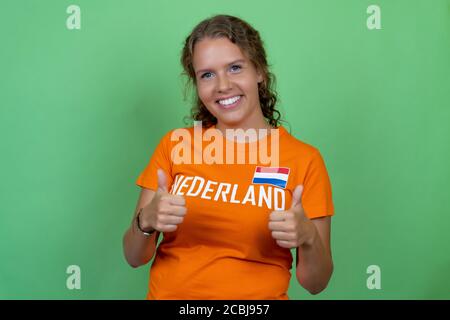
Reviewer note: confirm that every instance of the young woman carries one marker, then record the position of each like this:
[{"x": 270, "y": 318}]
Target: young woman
[{"x": 229, "y": 226}]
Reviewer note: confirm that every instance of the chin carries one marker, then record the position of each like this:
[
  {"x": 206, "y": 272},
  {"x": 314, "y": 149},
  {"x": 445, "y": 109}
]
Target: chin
[{"x": 235, "y": 123}]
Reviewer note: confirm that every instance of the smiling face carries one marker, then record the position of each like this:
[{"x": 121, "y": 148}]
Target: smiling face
[{"x": 227, "y": 84}]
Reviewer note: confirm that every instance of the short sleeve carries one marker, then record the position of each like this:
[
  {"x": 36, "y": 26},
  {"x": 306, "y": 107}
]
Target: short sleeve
[
  {"x": 317, "y": 196},
  {"x": 160, "y": 159}
]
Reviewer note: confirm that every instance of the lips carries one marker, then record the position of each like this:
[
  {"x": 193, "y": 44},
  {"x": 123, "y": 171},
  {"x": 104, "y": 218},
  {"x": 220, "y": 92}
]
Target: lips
[{"x": 232, "y": 105}]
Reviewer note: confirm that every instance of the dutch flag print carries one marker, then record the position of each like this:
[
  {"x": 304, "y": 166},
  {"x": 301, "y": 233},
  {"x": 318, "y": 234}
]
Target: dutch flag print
[{"x": 271, "y": 175}]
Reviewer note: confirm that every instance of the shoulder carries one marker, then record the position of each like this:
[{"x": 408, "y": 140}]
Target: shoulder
[
  {"x": 292, "y": 142},
  {"x": 184, "y": 135},
  {"x": 172, "y": 134},
  {"x": 176, "y": 134}
]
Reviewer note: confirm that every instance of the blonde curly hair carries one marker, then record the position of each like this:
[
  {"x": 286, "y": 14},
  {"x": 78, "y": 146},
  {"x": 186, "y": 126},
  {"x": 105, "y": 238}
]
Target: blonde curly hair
[{"x": 248, "y": 40}]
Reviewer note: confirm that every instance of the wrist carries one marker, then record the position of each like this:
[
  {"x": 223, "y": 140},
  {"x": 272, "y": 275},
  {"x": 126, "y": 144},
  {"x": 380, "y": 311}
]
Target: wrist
[
  {"x": 312, "y": 235},
  {"x": 146, "y": 232}
]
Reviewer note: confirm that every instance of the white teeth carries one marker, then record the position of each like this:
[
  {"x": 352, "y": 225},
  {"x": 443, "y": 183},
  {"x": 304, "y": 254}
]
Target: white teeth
[{"x": 229, "y": 101}]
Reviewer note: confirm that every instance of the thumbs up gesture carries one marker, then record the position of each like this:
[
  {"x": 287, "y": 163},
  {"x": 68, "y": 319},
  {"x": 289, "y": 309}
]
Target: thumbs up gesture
[
  {"x": 291, "y": 228},
  {"x": 165, "y": 211}
]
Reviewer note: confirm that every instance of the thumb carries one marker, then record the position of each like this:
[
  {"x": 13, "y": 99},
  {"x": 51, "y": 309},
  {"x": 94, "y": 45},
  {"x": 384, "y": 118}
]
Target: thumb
[
  {"x": 297, "y": 196},
  {"x": 162, "y": 180}
]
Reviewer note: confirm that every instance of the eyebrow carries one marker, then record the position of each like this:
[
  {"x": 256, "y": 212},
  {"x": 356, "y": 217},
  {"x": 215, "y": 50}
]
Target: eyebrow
[{"x": 236, "y": 61}]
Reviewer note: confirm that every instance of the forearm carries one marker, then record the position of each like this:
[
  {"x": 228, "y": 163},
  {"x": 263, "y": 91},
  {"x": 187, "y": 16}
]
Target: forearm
[
  {"x": 314, "y": 264},
  {"x": 138, "y": 248}
]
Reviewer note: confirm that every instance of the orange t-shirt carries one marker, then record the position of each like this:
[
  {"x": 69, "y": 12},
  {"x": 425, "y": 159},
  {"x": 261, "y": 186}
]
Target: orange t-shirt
[{"x": 224, "y": 249}]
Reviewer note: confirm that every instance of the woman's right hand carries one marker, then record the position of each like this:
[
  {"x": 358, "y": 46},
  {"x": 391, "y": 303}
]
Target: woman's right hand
[{"x": 165, "y": 211}]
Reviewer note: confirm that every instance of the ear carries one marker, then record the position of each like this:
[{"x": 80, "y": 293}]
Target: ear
[
  {"x": 259, "y": 74},
  {"x": 260, "y": 78}
]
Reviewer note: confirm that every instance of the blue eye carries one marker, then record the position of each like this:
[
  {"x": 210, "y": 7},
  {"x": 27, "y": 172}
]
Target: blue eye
[
  {"x": 233, "y": 68},
  {"x": 236, "y": 67},
  {"x": 204, "y": 75}
]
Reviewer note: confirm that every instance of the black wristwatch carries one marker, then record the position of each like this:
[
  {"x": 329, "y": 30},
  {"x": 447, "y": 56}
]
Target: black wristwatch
[{"x": 139, "y": 225}]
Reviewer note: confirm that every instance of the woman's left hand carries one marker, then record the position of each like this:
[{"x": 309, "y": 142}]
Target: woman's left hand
[{"x": 292, "y": 228}]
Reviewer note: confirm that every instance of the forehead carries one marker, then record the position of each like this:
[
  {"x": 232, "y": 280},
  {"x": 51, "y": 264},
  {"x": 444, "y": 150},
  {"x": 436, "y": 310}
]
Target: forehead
[{"x": 211, "y": 53}]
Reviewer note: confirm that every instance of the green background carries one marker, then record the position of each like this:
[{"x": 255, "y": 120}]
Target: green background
[{"x": 82, "y": 110}]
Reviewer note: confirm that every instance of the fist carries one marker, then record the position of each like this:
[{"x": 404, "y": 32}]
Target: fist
[
  {"x": 291, "y": 228},
  {"x": 165, "y": 211}
]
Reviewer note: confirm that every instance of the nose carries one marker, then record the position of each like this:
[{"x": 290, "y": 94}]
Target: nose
[{"x": 224, "y": 84}]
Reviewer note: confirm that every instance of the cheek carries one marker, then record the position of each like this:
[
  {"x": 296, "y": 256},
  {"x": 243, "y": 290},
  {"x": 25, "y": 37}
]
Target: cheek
[
  {"x": 250, "y": 88},
  {"x": 204, "y": 93}
]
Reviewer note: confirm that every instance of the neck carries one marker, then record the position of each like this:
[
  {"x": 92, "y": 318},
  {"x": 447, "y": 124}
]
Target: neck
[
  {"x": 261, "y": 131},
  {"x": 222, "y": 127}
]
